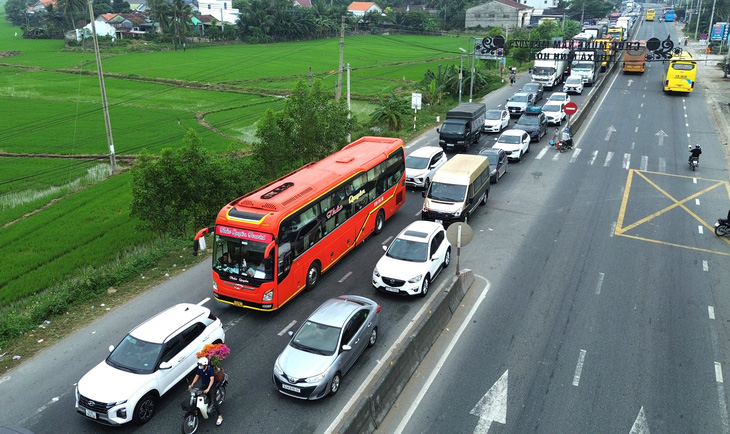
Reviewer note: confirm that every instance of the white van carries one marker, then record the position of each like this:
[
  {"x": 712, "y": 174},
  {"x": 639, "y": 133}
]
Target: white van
[{"x": 456, "y": 190}]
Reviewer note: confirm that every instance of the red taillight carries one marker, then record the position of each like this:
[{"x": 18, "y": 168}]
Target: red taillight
[{"x": 378, "y": 309}]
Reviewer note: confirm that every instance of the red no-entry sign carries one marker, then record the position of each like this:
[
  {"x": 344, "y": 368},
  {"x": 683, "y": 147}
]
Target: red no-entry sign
[{"x": 570, "y": 108}]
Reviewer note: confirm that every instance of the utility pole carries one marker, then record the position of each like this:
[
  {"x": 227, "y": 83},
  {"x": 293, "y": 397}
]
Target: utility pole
[
  {"x": 348, "y": 98},
  {"x": 712, "y": 17},
  {"x": 104, "y": 105},
  {"x": 471, "y": 86},
  {"x": 338, "y": 91},
  {"x": 699, "y": 13}
]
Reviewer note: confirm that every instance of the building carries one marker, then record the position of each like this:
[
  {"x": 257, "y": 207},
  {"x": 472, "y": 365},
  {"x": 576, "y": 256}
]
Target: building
[
  {"x": 222, "y": 10},
  {"x": 505, "y": 14},
  {"x": 359, "y": 9}
]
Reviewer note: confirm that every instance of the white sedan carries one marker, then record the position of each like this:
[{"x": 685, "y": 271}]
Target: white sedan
[
  {"x": 515, "y": 143},
  {"x": 422, "y": 163},
  {"x": 496, "y": 120},
  {"x": 416, "y": 256},
  {"x": 559, "y": 97}
]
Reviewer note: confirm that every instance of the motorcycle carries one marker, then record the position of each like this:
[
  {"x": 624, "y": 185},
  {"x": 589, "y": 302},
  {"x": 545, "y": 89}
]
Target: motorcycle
[
  {"x": 562, "y": 145},
  {"x": 722, "y": 227},
  {"x": 693, "y": 163},
  {"x": 198, "y": 405}
]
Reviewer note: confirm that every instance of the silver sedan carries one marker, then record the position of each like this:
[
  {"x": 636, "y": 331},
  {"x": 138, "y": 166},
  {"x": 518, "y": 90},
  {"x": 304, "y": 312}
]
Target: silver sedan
[{"x": 326, "y": 346}]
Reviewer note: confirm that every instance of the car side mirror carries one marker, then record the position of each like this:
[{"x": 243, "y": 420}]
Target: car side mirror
[
  {"x": 111, "y": 348},
  {"x": 435, "y": 256},
  {"x": 165, "y": 365},
  {"x": 385, "y": 248},
  {"x": 290, "y": 333},
  {"x": 437, "y": 130},
  {"x": 346, "y": 348},
  {"x": 423, "y": 194}
]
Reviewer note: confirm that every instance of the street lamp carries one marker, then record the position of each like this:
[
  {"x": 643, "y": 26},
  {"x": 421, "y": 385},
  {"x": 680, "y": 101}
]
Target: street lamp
[{"x": 461, "y": 69}]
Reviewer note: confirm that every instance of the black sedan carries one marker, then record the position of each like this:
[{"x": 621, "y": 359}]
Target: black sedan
[
  {"x": 535, "y": 89},
  {"x": 497, "y": 163}
]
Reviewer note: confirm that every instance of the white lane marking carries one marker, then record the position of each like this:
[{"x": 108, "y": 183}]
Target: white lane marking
[
  {"x": 609, "y": 155},
  {"x": 600, "y": 283},
  {"x": 640, "y": 426},
  {"x": 662, "y": 165},
  {"x": 441, "y": 361},
  {"x": 639, "y": 117},
  {"x": 705, "y": 265},
  {"x": 576, "y": 152},
  {"x": 387, "y": 240},
  {"x": 644, "y": 162},
  {"x": 694, "y": 180},
  {"x": 699, "y": 228},
  {"x": 579, "y": 367},
  {"x": 5, "y": 378},
  {"x": 593, "y": 157},
  {"x": 556, "y": 156},
  {"x": 418, "y": 213},
  {"x": 697, "y": 202},
  {"x": 632, "y": 145},
  {"x": 636, "y": 130},
  {"x": 349, "y": 273},
  {"x": 613, "y": 229},
  {"x": 718, "y": 372},
  {"x": 205, "y": 300},
  {"x": 287, "y": 328},
  {"x": 627, "y": 161},
  {"x": 711, "y": 312},
  {"x": 542, "y": 153}
]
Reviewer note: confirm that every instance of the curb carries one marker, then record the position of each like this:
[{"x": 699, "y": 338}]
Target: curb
[{"x": 369, "y": 413}]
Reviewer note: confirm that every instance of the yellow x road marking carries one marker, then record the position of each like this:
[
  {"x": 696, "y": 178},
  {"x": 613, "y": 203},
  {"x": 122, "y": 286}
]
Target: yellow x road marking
[{"x": 621, "y": 229}]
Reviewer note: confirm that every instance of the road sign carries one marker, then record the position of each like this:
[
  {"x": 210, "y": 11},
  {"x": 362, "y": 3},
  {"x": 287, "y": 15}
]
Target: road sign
[{"x": 570, "y": 108}]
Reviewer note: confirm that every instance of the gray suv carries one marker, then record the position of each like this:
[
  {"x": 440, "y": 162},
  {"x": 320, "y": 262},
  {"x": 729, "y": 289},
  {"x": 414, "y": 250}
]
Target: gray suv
[{"x": 518, "y": 103}]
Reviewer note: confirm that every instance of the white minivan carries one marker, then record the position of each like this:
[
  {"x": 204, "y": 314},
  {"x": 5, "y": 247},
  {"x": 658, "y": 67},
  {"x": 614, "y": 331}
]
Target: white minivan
[{"x": 573, "y": 84}]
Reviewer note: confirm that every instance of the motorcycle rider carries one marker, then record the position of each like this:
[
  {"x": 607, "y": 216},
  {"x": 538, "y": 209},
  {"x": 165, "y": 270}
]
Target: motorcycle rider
[
  {"x": 566, "y": 139},
  {"x": 695, "y": 153},
  {"x": 206, "y": 374},
  {"x": 512, "y": 76}
]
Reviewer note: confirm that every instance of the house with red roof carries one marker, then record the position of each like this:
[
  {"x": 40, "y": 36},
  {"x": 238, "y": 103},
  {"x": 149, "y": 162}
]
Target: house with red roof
[{"x": 359, "y": 9}]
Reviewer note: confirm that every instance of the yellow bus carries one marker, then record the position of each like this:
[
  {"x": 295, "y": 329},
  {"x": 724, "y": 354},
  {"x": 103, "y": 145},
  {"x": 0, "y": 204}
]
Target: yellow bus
[
  {"x": 680, "y": 74},
  {"x": 650, "y": 13},
  {"x": 635, "y": 58}
]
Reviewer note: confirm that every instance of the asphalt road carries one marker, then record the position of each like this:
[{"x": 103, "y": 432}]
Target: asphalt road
[
  {"x": 612, "y": 315},
  {"x": 583, "y": 269}
]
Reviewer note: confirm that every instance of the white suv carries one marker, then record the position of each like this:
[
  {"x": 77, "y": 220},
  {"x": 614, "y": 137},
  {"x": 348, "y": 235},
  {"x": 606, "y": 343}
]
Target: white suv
[
  {"x": 421, "y": 165},
  {"x": 413, "y": 260},
  {"x": 147, "y": 363}
]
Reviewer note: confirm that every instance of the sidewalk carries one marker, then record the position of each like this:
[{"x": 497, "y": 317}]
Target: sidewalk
[{"x": 716, "y": 88}]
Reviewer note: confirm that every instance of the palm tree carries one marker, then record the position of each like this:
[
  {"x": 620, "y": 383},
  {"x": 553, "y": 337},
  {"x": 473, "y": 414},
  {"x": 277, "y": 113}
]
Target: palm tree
[
  {"x": 160, "y": 10},
  {"x": 392, "y": 110},
  {"x": 180, "y": 13}
]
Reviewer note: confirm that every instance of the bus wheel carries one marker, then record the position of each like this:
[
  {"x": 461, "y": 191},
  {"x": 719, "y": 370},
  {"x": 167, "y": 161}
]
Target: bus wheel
[
  {"x": 379, "y": 222},
  {"x": 313, "y": 275}
]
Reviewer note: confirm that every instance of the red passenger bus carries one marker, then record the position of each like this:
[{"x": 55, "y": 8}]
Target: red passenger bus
[{"x": 274, "y": 242}]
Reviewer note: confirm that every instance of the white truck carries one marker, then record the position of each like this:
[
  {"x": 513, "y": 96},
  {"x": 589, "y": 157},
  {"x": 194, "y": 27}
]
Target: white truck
[
  {"x": 587, "y": 63},
  {"x": 550, "y": 65}
]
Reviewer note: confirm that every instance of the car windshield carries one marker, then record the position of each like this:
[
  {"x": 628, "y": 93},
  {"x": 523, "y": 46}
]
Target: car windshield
[
  {"x": 519, "y": 98},
  {"x": 551, "y": 108},
  {"x": 509, "y": 139},
  {"x": 447, "y": 192},
  {"x": 557, "y": 97},
  {"x": 135, "y": 355},
  {"x": 407, "y": 250},
  {"x": 491, "y": 115},
  {"x": 529, "y": 88},
  {"x": 316, "y": 338},
  {"x": 573, "y": 80},
  {"x": 413, "y": 162},
  {"x": 528, "y": 120}
]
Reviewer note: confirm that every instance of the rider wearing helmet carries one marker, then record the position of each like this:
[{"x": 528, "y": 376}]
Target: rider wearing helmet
[
  {"x": 207, "y": 373},
  {"x": 695, "y": 152}
]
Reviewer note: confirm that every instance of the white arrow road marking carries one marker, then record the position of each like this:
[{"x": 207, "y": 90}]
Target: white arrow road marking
[
  {"x": 492, "y": 407},
  {"x": 640, "y": 425},
  {"x": 661, "y": 134},
  {"x": 630, "y": 82},
  {"x": 610, "y": 130}
]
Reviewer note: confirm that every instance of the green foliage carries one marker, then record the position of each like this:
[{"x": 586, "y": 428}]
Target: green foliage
[
  {"x": 180, "y": 191},
  {"x": 392, "y": 111},
  {"x": 311, "y": 126}
]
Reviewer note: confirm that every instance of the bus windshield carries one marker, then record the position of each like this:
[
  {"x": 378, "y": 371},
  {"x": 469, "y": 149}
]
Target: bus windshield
[{"x": 236, "y": 257}]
